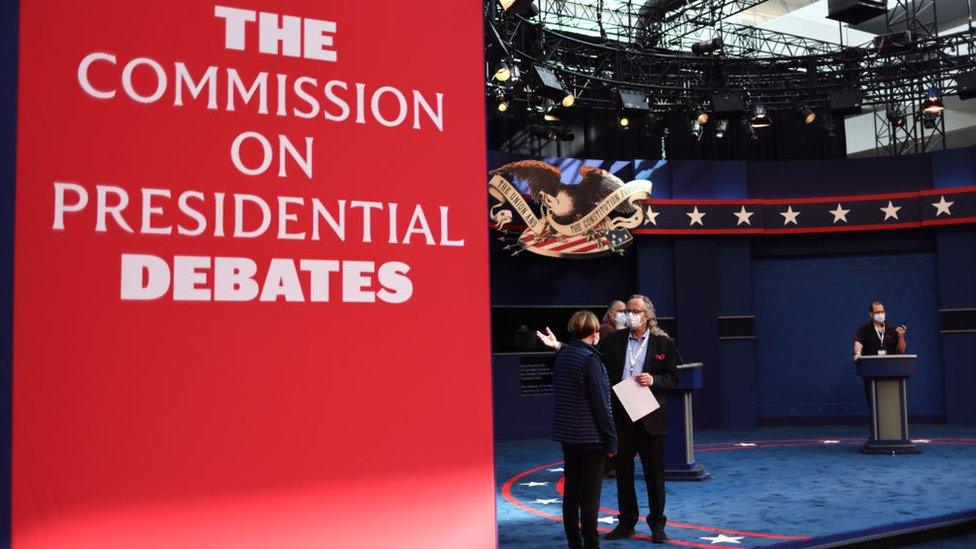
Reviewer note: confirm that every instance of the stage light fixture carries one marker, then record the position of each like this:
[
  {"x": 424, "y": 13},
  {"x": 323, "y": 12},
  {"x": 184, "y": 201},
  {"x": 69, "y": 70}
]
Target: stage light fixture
[
  {"x": 929, "y": 120},
  {"x": 623, "y": 121},
  {"x": 760, "y": 119},
  {"x": 551, "y": 86},
  {"x": 721, "y": 128},
  {"x": 700, "y": 115},
  {"x": 828, "y": 124},
  {"x": 502, "y": 71},
  {"x": 519, "y": 7},
  {"x": 562, "y": 135},
  {"x": 807, "y": 114},
  {"x": 501, "y": 102},
  {"x": 933, "y": 101},
  {"x": 706, "y": 47},
  {"x": 696, "y": 129},
  {"x": 749, "y": 129},
  {"x": 895, "y": 116}
]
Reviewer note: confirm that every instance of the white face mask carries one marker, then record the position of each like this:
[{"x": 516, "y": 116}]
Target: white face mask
[
  {"x": 633, "y": 321},
  {"x": 880, "y": 317},
  {"x": 596, "y": 339},
  {"x": 620, "y": 319}
]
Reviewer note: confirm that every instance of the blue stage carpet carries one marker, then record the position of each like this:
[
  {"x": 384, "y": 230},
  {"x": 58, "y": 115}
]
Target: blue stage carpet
[{"x": 794, "y": 486}]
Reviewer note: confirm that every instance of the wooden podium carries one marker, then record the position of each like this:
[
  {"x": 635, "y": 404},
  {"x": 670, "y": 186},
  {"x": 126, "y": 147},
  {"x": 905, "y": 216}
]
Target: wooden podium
[
  {"x": 886, "y": 375},
  {"x": 679, "y": 445}
]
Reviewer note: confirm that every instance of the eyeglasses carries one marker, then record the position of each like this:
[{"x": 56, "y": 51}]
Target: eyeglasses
[{"x": 634, "y": 311}]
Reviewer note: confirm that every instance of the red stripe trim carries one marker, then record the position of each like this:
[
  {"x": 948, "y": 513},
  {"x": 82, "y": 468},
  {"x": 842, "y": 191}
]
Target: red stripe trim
[
  {"x": 848, "y": 198},
  {"x": 507, "y": 494},
  {"x": 697, "y": 231},
  {"x": 947, "y": 221},
  {"x": 705, "y": 201},
  {"x": 846, "y": 228},
  {"x": 952, "y": 190}
]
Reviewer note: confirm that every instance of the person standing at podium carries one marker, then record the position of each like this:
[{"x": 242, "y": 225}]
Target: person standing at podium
[{"x": 877, "y": 338}]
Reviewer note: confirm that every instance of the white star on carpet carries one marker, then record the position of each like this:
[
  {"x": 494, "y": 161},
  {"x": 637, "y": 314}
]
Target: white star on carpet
[
  {"x": 942, "y": 207},
  {"x": 745, "y": 444},
  {"x": 534, "y": 484},
  {"x": 831, "y": 442},
  {"x": 840, "y": 214},
  {"x": 546, "y": 501},
  {"x": 743, "y": 216},
  {"x": 789, "y": 216},
  {"x": 652, "y": 215},
  {"x": 608, "y": 520},
  {"x": 696, "y": 217},
  {"x": 556, "y": 470},
  {"x": 891, "y": 211},
  {"x": 722, "y": 538}
]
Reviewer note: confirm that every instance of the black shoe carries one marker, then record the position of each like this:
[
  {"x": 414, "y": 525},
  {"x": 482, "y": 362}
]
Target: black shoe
[
  {"x": 658, "y": 535},
  {"x": 620, "y": 532}
]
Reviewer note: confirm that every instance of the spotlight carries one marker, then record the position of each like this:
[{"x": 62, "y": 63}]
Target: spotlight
[
  {"x": 524, "y": 7},
  {"x": 623, "y": 121},
  {"x": 750, "y": 129},
  {"x": 721, "y": 128},
  {"x": 502, "y": 71},
  {"x": 652, "y": 123},
  {"x": 550, "y": 112},
  {"x": 700, "y": 115},
  {"x": 933, "y": 101},
  {"x": 807, "y": 114},
  {"x": 550, "y": 86},
  {"x": 707, "y": 46},
  {"x": 895, "y": 115},
  {"x": 562, "y": 135},
  {"x": 829, "y": 124},
  {"x": 759, "y": 117},
  {"x": 501, "y": 99},
  {"x": 540, "y": 130}
]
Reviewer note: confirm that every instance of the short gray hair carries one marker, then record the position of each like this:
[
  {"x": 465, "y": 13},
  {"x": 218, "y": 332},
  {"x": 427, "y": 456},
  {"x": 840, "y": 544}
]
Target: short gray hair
[{"x": 651, "y": 315}]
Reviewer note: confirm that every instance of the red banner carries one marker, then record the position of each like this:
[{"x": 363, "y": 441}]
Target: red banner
[{"x": 251, "y": 298}]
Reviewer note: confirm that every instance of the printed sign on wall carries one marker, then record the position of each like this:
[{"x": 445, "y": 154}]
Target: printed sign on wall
[{"x": 238, "y": 237}]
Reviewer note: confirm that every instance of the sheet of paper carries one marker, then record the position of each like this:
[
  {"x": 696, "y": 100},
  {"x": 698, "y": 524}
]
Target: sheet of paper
[{"x": 638, "y": 401}]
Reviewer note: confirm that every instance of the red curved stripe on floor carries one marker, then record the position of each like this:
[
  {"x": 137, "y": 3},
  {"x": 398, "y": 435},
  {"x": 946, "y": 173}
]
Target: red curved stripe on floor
[
  {"x": 507, "y": 494},
  {"x": 712, "y": 447}
]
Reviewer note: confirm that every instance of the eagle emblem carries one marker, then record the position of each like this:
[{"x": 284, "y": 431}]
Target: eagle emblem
[{"x": 585, "y": 219}]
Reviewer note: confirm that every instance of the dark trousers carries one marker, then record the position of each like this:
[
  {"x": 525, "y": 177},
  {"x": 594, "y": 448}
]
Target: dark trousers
[
  {"x": 583, "y": 471},
  {"x": 633, "y": 439}
]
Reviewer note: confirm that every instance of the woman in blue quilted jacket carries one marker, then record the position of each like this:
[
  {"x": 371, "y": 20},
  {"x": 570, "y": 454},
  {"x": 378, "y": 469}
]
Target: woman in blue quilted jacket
[{"x": 583, "y": 423}]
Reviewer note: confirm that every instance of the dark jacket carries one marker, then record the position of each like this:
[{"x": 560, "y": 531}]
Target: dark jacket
[
  {"x": 660, "y": 361},
  {"x": 582, "y": 394}
]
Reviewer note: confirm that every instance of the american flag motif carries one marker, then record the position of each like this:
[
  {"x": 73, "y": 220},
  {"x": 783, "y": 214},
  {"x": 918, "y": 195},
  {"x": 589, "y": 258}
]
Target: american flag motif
[{"x": 580, "y": 246}]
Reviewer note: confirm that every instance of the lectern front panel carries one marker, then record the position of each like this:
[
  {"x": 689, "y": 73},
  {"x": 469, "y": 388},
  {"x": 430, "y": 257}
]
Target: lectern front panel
[{"x": 888, "y": 395}]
